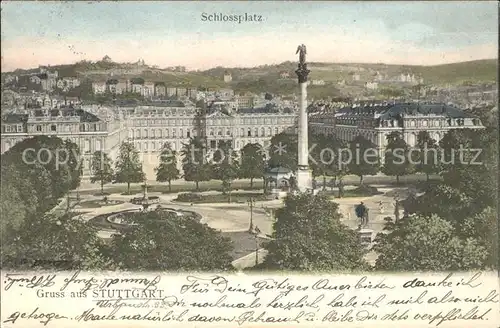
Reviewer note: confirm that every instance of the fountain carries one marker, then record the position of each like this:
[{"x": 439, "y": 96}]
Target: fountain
[
  {"x": 146, "y": 201},
  {"x": 117, "y": 221}
]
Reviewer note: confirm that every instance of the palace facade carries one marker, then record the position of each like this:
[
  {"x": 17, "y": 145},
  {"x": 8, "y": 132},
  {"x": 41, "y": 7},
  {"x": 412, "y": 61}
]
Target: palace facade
[
  {"x": 150, "y": 127},
  {"x": 96, "y": 128},
  {"x": 100, "y": 131},
  {"x": 376, "y": 121}
]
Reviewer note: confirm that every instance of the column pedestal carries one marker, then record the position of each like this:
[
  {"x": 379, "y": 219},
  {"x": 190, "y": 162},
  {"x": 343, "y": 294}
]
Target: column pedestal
[{"x": 304, "y": 179}]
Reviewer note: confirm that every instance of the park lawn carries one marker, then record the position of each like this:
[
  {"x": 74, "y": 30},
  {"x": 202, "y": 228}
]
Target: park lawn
[
  {"x": 216, "y": 185},
  {"x": 351, "y": 193},
  {"x": 98, "y": 203},
  {"x": 380, "y": 179},
  {"x": 244, "y": 243},
  {"x": 222, "y": 198},
  {"x": 136, "y": 188},
  {"x": 354, "y": 193}
]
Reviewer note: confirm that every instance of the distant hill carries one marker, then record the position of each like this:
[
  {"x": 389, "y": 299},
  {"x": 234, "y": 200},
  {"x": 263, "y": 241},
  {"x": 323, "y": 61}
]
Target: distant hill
[
  {"x": 102, "y": 70},
  {"x": 267, "y": 77},
  {"x": 475, "y": 71}
]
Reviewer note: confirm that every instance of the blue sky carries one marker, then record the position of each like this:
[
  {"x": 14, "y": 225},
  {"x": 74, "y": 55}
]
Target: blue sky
[{"x": 173, "y": 33}]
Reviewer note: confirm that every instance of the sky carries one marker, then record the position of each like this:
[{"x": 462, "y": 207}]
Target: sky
[{"x": 174, "y": 33}]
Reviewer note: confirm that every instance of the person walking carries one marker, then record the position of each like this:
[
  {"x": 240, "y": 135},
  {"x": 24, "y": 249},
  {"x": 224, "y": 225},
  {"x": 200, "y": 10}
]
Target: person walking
[
  {"x": 341, "y": 189},
  {"x": 396, "y": 209},
  {"x": 381, "y": 207}
]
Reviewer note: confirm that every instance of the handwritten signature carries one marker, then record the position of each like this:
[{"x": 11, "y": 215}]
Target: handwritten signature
[{"x": 37, "y": 281}]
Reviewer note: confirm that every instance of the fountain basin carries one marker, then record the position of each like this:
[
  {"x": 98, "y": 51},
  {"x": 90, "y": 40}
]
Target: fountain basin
[
  {"x": 145, "y": 201},
  {"x": 117, "y": 221}
]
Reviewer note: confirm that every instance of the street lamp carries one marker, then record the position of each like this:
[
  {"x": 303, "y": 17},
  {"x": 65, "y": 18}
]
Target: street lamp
[
  {"x": 251, "y": 203},
  {"x": 396, "y": 208},
  {"x": 256, "y": 250},
  {"x": 256, "y": 234}
]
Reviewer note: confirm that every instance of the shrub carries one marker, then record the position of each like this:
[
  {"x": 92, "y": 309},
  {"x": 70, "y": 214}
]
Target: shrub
[
  {"x": 365, "y": 190},
  {"x": 189, "y": 197}
]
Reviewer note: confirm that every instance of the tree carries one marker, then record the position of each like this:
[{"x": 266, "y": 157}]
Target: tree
[
  {"x": 12, "y": 208},
  {"x": 167, "y": 169},
  {"x": 101, "y": 169},
  {"x": 467, "y": 188},
  {"x": 320, "y": 159},
  {"x": 48, "y": 243},
  {"x": 340, "y": 167},
  {"x": 128, "y": 169},
  {"x": 252, "y": 162},
  {"x": 283, "y": 151},
  {"x": 329, "y": 157},
  {"x": 52, "y": 163},
  {"x": 163, "y": 241},
  {"x": 42, "y": 169},
  {"x": 11, "y": 177},
  {"x": 471, "y": 169},
  {"x": 397, "y": 159},
  {"x": 226, "y": 166},
  {"x": 195, "y": 164},
  {"x": 483, "y": 227},
  {"x": 74, "y": 163},
  {"x": 435, "y": 199},
  {"x": 365, "y": 159},
  {"x": 308, "y": 236},
  {"x": 461, "y": 206},
  {"x": 428, "y": 157},
  {"x": 426, "y": 243}
]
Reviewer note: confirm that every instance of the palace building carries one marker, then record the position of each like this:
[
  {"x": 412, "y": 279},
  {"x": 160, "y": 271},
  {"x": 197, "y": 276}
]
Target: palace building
[
  {"x": 376, "y": 121},
  {"x": 150, "y": 127},
  {"x": 89, "y": 131}
]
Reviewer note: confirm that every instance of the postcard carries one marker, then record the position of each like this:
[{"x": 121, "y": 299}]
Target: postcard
[{"x": 249, "y": 164}]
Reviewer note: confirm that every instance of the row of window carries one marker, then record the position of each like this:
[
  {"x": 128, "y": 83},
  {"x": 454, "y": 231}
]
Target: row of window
[
  {"x": 152, "y": 146},
  {"x": 87, "y": 148},
  {"x": 184, "y": 122},
  {"x": 95, "y": 127},
  {"x": 158, "y": 133},
  {"x": 179, "y": 122},
  {"x": 158, "y": 145},
  {"x": 411, "y": 138},
  {"x": 349, "y": 135},
  {"x": 12, "y": 128}
]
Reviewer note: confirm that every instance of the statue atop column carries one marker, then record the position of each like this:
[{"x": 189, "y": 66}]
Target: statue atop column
[
  {"x": 301, "y": 50},
  {"x": 302, "y": 70}
]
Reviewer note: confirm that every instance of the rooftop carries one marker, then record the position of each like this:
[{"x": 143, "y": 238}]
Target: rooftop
[
  {"x": 12, "y": 118},
  {"x": 387, "y": 111},
  {"x": 68, "y": 111},
  {"x": 278, "y": 170}
]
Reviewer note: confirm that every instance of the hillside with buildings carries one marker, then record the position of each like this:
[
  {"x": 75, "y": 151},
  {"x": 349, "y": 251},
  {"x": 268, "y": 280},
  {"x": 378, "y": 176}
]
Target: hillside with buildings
[
  {"x": 478, "y": 70},
  {"x": 356, "y": 79},
  {"x": 106, "y": 81},
  {"x": 475, "y": 71}
]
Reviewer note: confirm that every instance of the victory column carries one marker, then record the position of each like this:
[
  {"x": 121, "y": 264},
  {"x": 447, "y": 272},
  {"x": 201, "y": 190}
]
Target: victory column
[{"x": 304, "y": 176}]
